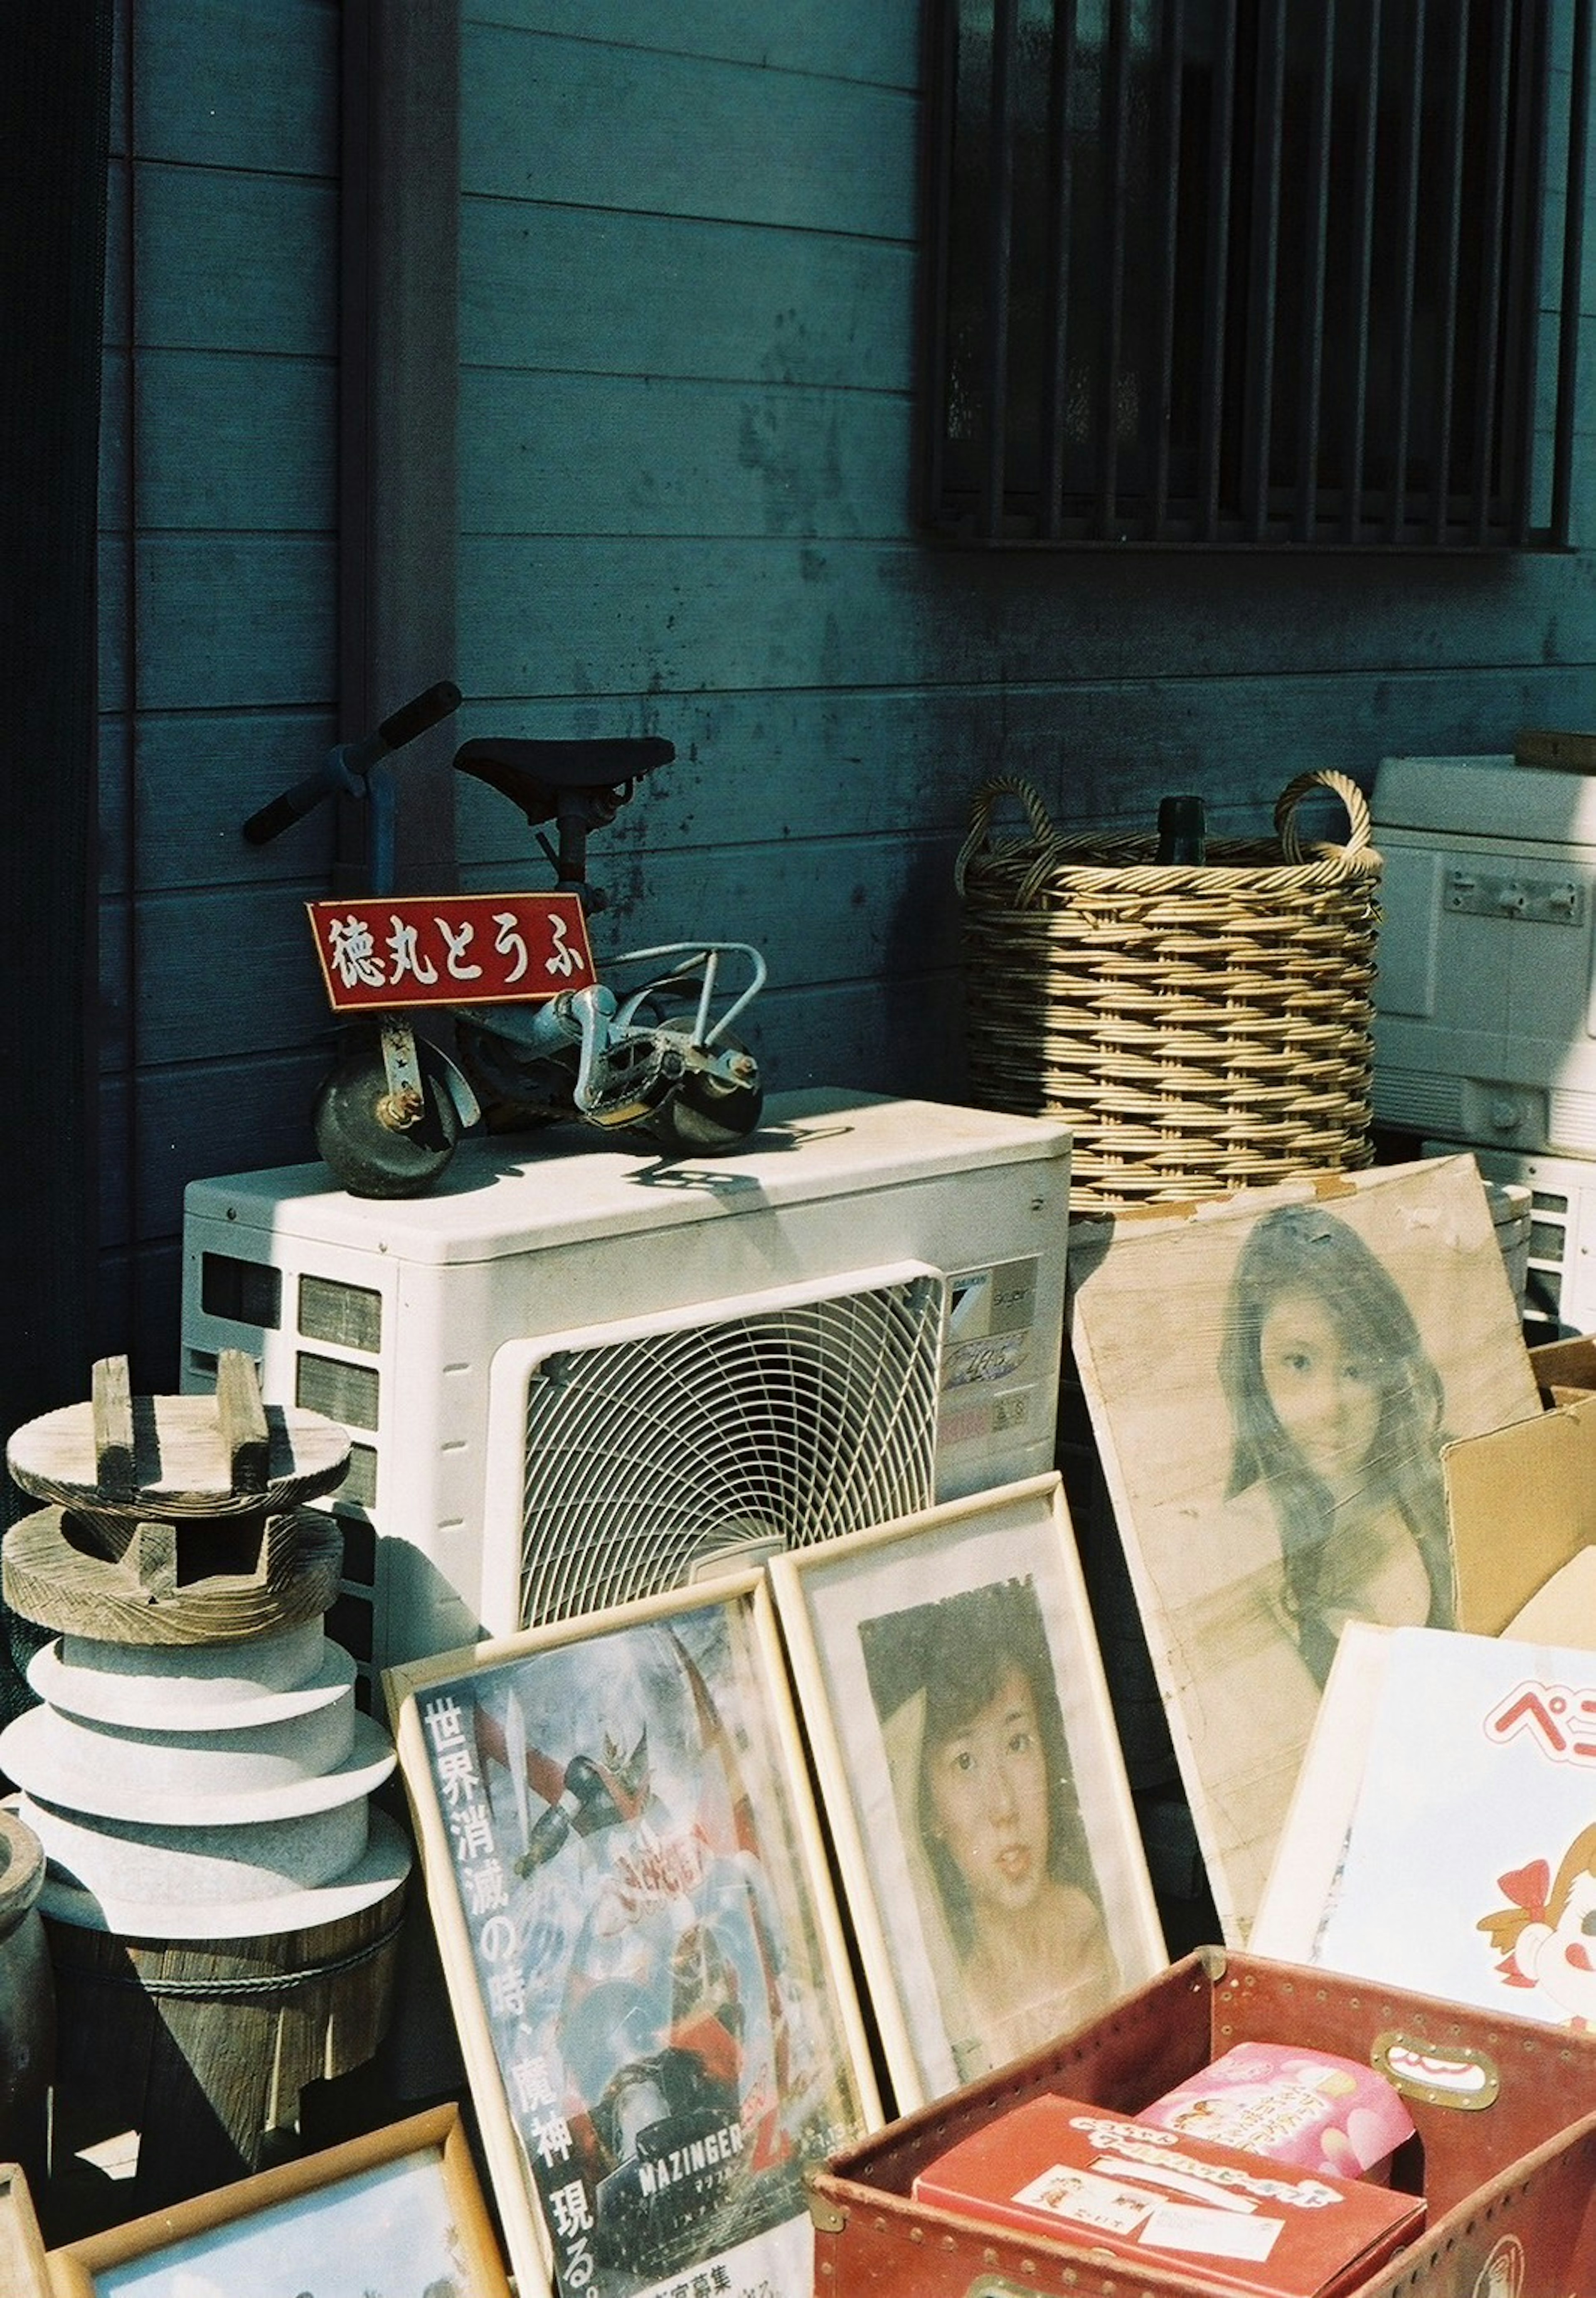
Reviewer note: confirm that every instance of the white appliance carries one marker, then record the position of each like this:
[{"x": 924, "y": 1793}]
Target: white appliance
[
  {"x": 1559, "y": 1292},
  {"x": 1486, "y": 1001},
  {"x": 858, "y": 1311}
]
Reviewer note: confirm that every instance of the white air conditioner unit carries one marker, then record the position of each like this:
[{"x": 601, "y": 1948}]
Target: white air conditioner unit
[
  {"x": 575, "y": 1374},
  {"x": 1485, "y": 1002},
  {"x": 1559, "y": 1263}
]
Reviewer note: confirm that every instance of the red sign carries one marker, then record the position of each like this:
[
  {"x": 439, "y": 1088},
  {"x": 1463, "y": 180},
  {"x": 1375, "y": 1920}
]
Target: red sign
[{"x": 451, "y": 949}]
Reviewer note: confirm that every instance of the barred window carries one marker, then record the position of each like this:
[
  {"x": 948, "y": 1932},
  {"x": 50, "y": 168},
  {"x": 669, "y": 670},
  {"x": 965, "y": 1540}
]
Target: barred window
[{"x": 1255, "y": 272}]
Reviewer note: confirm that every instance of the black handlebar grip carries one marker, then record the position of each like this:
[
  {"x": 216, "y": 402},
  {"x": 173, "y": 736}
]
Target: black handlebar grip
[
  {"x": 345, "y": 765},
  {"x": 410, "y": 719},
  {"x": 281, "y": 812},
  {"x": 413, "y": 718}
]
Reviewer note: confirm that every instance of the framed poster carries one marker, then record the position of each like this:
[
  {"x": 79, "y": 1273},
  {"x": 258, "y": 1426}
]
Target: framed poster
[
  {"x": 959, "y": 1723},
  {"x": 399, "y": 2211},
  {"x": 645, "y": 1960},
  {"x": 1271, "y": 1378}
]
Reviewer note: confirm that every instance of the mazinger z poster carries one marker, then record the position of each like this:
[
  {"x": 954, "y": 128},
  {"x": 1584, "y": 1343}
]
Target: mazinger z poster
[{"x": 621, "y": 1825}]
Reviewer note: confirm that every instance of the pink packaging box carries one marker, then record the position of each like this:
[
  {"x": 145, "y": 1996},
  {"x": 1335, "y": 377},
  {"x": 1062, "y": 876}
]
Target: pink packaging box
[{"x": 1309, "y": 2108}]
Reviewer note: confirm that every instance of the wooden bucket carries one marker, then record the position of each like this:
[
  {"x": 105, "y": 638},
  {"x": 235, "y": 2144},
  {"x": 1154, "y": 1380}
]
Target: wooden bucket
[
  {"x": 200, "y": 2048},
  {"x": 27, "y": 1997}
]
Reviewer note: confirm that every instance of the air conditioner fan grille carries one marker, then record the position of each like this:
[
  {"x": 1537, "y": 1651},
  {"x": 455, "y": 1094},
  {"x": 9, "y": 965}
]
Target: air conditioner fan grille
[{"x": 652, "y": 1460}]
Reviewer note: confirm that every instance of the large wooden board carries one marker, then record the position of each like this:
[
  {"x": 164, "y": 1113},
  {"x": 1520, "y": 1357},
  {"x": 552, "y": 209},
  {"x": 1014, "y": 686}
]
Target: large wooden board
[{"x": 1271, "y": 1378}]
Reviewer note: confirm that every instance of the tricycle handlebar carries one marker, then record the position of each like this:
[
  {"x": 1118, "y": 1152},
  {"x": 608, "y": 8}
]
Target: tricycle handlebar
[{"x": 345, "y": 765}]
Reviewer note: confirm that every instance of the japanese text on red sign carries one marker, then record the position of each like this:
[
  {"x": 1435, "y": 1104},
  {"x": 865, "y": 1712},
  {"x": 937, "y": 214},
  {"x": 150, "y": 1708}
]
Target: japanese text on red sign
[{"x": 466, "y": 949}]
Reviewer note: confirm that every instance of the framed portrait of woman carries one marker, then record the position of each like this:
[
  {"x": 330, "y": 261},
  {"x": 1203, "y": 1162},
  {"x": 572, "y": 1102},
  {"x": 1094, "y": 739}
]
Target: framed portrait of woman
[
  {"x": 639, "y": 1939},
  {"x": 959, "y": 1724},
  {"x": 1272, "y": 1379}
]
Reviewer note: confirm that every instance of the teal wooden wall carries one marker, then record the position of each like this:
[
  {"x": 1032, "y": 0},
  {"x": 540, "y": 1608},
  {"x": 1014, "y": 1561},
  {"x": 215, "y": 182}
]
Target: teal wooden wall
[
  {"x": 218, "y": 612},
  {"x": 688, "y": 272},
  {"x": 687, "y": 306}
]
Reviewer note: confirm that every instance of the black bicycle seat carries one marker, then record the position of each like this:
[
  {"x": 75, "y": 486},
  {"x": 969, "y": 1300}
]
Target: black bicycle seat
[{"x": 532, "y": 775}]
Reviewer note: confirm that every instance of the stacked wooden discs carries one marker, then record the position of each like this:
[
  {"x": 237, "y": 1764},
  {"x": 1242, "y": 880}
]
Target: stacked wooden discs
[
  {"x": 174, "y": 1519},
  {"x": 197, "y": 1773}
]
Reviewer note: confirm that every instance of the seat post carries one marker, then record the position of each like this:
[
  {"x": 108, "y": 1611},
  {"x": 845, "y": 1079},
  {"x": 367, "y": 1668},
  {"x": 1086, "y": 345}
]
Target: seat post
[{"x": 575, "y": 816}]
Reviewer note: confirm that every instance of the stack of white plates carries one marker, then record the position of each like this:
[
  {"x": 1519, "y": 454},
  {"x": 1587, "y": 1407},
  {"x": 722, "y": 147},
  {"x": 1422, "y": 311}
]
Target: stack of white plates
[{"x": 1510, "y": 1203}]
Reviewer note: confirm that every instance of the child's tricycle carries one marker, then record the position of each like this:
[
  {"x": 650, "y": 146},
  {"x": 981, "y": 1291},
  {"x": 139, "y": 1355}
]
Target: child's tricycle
[{"x": 538, "y": 1036}]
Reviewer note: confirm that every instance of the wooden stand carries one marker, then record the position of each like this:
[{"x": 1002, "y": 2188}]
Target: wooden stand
[
  {"x": 171, "y": 1526},
  {"x": 174, "y": 1519}
]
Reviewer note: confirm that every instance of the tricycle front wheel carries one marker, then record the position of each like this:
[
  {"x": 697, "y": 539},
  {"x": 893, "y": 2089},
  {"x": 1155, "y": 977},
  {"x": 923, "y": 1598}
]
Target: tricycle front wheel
[{"x": 371, "y": 1155}]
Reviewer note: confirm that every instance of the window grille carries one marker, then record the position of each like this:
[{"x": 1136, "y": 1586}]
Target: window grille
[{"x": 1255, "y": 272}]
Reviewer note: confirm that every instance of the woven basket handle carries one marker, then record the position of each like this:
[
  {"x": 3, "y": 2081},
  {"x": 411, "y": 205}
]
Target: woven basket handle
[
  {"x": 980, "y": 818},
  {"x": 1351, "y": 796}
]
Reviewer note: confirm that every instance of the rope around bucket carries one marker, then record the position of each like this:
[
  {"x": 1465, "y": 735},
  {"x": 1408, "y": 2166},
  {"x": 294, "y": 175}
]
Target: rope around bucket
[{"x": 207, "y": 1989}]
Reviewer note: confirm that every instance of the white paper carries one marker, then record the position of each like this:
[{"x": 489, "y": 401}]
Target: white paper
[
  {"x": 1469, "y": 1864},
  {"x": 1181, "y": 2226}
]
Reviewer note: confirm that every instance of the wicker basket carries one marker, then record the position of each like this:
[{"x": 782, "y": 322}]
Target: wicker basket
[{"x": 1200, "y": 1026}]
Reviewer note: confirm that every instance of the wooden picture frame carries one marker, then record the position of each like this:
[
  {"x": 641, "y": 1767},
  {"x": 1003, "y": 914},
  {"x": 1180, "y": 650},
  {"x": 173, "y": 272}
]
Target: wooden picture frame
[
  {"x": 958, "y": 1719},
  {"x": 639, "y": 1934},
  {"x": 1257, "y": 1519},
  {"x": 400, "y": 2208},
  {"x": 24, "y": 2269}
]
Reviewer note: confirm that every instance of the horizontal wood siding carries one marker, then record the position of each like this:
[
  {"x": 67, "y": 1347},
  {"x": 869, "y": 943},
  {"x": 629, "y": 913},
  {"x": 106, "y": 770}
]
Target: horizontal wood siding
[
  {"x": 653, "y": 616},
  {"x": 688, "y": 273},
  {"x": 622, "y": 293},
  {"x": 631, "y": 456},
  {"x": 687, "y": 289},
  {"x": 218, "y": 632},
  {"x": 687, "y": 417},
  {"x": 588, "y": 123},
  {"x": 867, "y": 43}
]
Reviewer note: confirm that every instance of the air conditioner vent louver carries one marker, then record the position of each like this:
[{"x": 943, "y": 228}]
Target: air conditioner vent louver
[
  {"x": 656, "y": 1458},
  {"x": 1418, "y": 1102}
]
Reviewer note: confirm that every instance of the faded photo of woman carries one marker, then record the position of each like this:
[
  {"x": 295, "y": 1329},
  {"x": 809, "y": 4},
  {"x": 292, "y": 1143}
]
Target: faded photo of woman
[
  {"x": 1332, "y": 1508},
  {"x": 1336, "y": 1411},
  {"x": 1276, "y": 1381},
  {"x": 964, "y": 1690}
]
